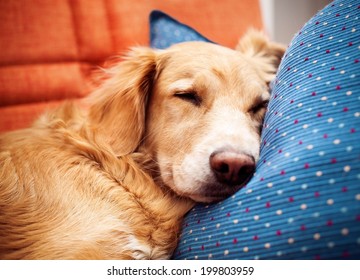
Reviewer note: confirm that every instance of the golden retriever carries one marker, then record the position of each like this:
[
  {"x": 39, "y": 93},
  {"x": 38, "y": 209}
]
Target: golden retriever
[{"x": 113, "y": 180}]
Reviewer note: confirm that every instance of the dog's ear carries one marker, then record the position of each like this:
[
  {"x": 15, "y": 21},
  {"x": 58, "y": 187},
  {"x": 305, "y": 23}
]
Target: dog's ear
[
  {"x": 117, "y": 110},
  {"x": 266, "y": 54}
]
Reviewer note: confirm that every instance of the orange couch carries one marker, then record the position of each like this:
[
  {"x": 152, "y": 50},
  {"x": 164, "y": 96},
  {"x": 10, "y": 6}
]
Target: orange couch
[{"x": 48, "y": 49}]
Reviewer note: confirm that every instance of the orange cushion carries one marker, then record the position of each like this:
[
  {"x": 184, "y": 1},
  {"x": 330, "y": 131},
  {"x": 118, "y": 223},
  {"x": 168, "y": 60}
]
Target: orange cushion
[
  {"x": 43, "y": 82},
  {"x": 20, "y": 116}
]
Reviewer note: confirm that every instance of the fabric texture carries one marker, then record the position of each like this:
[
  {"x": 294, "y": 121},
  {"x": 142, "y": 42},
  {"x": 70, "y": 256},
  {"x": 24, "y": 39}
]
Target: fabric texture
[
  {"x": 49, "y": 49},
  {"x": 304, "y": 199},
  {"x": 166, "y": 31}
]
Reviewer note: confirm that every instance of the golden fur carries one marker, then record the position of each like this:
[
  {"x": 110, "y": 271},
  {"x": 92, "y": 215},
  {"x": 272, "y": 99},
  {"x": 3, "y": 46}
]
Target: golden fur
[{"x": 111, "y": 181}]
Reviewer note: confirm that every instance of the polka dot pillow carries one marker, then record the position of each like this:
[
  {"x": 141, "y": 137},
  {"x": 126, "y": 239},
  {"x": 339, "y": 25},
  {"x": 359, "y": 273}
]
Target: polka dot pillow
[{"x": 304, "y": 200}]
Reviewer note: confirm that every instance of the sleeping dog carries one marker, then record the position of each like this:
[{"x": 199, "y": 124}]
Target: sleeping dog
[{"x": 112, "y": 180}]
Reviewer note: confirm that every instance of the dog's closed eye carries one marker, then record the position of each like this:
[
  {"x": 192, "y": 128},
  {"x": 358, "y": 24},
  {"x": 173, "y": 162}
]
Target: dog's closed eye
[
  {"x": 189, "y": 96},
  {"x": 258, "y": 106}
]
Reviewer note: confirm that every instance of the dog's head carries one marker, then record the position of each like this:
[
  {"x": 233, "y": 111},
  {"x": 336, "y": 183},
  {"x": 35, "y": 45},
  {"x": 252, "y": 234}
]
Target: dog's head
[{"x": 196, "y": 108}]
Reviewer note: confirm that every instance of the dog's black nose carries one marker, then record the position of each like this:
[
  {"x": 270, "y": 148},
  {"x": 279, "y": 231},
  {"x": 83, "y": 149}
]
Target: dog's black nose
[{"x": 232, "y": 168}]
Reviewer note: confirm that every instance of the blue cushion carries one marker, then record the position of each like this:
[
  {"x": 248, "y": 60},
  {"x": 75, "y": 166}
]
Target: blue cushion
[
  {"x": 304, "y": 200},
  {"x": 166, "y": 31}
]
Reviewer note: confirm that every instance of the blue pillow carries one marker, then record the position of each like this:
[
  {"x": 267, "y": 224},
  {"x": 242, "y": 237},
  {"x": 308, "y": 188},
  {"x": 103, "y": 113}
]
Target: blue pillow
[
  {"x": 166, "y": 31},
  {"x": 304, "y": 200}
]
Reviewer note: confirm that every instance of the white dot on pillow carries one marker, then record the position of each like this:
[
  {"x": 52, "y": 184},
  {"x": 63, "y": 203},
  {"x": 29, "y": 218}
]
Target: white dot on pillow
[
  {"x": 317, "y": 236},
  {"x": 347, "y": 168},
  {"x": 330, "y": 201},
  {"x": 316, "y": 215}
]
